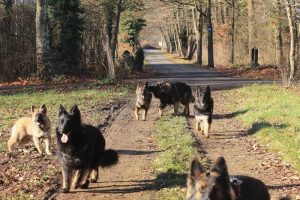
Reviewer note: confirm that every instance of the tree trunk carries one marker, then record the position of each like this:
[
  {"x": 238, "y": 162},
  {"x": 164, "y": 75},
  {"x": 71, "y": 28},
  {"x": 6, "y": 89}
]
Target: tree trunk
[
  {"x": 177, "y": 32},
  {"x": 278, "y": 35},
  {"x": 210, "y": 45},
  {"x": 232, "y": 32},
  {"x": 115, "y": 33},
  {"x": 251, "y": 28},
  {"x": 8, "y": 38},
  {"x": 175, "y": 39},
  {"x": 291, "y": 15},
  {"x": 170, "y": 40},
  {"x": 198, "y": 27},
  {"x": 42, "y": 39},
  {"x": 110, "y": 60}
]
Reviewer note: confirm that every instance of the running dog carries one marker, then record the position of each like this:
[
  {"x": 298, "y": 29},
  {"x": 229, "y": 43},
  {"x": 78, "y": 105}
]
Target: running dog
[
  {"x": 173, "y": 94},
  {"x": 80, "y": 150},
  {"x": 204, "y": 106}
]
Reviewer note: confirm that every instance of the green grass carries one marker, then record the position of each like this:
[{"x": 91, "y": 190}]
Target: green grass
[
  {"x": 18, "y": 105},
  {"x": 177, "y": 150},
  {"x": 273, "y": 115}
]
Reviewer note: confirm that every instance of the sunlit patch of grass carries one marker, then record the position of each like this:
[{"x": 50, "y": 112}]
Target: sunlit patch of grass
[
  {"x": 172, "y": 164},
  {"x": 18, "y": 105},
  {"x": 171, "y": 194},
  {"x": 273, "y": 117}
]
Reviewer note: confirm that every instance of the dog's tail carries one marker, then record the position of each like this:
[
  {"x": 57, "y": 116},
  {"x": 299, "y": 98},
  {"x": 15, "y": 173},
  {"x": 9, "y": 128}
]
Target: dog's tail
[{"x": 110, "y": 157}]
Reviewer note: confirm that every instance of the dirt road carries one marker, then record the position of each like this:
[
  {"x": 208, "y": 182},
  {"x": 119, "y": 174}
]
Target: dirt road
[{"x": 133, "y": 177}]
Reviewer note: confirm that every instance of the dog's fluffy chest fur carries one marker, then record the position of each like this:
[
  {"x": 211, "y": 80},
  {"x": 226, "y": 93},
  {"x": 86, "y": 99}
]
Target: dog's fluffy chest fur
[{"x": 201, "y": 117}]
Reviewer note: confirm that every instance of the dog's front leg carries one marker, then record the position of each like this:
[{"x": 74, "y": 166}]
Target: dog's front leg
[
  {"x": 66, "y": 179},
  {"x": 47, "y": 143},
  {"x": 136, "y": 112},
  {"x": 176, "y": 107},
  {"x": 145, "y": 114},
  {"x": 37, "y": 144},
  {"x": 76, "y": 177},
  {"x": 161, "y": 107}
]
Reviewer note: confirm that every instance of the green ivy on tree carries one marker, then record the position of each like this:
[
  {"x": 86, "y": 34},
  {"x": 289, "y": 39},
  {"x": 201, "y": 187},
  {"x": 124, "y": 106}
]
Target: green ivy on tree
[
  {"x": 132, "y": 26},
  {"x": 66, "y": 14}
]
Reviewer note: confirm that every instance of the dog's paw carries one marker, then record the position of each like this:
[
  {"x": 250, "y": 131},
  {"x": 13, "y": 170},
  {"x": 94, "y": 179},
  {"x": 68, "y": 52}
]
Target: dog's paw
[
  {"x": 93, "y": 180},
  {"x": 84, "y": 185},
  {"x": 65, "y": 190}
]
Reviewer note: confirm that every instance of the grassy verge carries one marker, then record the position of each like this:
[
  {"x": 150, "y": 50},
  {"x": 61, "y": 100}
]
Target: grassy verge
[
  {"x": 27, "y": 176},
  {"x": 172, "y": 163},
  {"x": 272, "y": 114}
]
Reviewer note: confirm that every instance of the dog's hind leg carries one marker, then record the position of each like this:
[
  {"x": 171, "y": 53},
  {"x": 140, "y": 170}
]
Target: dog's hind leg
[
  {"x": 94, "y": 175},
  {"x": 136, "y": 112},
  {"x": 84, "y": 178},
  {"x": 11, "y": 142},
  {"x": 37, "y": 144},
  {"x": 187, "y": 109}
]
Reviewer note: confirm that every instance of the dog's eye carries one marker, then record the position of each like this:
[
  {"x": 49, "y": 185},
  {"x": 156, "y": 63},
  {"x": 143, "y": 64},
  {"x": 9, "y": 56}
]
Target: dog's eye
[{"x": 62, "y": 121}]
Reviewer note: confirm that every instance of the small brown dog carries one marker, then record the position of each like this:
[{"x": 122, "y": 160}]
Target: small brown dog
[
  {"x": 36, "y": 127},
  {"x": 143, "y": 100}
]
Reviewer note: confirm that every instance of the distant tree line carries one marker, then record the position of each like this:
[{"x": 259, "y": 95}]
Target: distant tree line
[{"x": 230, "y": 29}]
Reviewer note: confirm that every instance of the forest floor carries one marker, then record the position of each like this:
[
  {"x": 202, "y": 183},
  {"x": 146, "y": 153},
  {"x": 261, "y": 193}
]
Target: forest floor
[{"x": 134, "y": 177}]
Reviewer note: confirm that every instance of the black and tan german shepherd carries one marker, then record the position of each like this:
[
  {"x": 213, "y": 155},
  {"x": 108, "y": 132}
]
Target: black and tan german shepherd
[
  {"x": 173, "y": 94},
  {"x": 204, "y": 107},
  {"x": 143, "y": 100},
  {"x": 216, "y": 184},
  {"x": 80, "y": 150}
]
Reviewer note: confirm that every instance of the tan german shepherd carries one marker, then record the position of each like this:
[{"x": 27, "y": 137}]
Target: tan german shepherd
[
  {"x": 143, "y": 100},
  {"x": 216, "y": 184},
  {"x": 35, "y": 127}
]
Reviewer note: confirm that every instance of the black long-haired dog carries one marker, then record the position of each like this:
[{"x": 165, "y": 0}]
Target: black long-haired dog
[
  {"x": 204, "y": 106},
  {"x": 173, "y": 94},
  {"x": 81, "y": 150}
]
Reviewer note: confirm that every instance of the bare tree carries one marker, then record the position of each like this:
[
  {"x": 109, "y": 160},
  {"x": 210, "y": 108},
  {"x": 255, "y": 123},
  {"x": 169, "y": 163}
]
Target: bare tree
[
  {"x": 42, "y": 39},
  {"x": 210, "y": 40},
  {"x": 290, "y": 6},
  {"x": 251, "y": 28}
]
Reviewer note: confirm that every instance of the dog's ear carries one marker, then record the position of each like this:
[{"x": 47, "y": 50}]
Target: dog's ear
[
  {"x": 208, "y": 89},
  {"x": 195, "y": 170},
  {"x": 33, "y": 108},
  {"x": 221, "y": 167},
  {"x": 61, "y": 110},
  {"x": 75, "y": 111},
  {"x": 146, "y": 84},
  {"x": 43, "y": 109}
]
